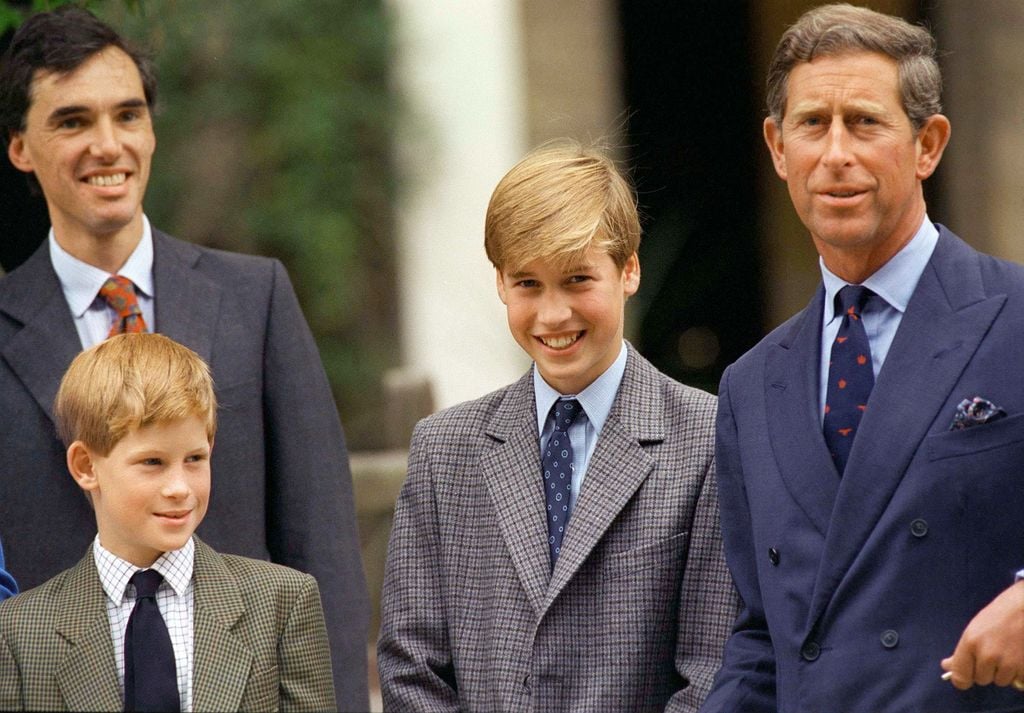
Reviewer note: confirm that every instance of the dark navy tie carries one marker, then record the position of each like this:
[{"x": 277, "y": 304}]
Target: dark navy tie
[
  {"x": 150, "y": 680},
  {"x": 557, "y": 463},
  {"x": 850, "y": 375}
]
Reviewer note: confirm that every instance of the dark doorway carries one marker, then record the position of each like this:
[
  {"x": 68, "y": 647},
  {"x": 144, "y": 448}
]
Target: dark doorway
[{"x": 694, "y": 127}]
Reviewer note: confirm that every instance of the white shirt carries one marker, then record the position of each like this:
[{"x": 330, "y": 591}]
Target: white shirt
[
  {"x": 175, "y": 598},
  {"x": 81, "y": 283},
  {"x": 596, "y": 400}
]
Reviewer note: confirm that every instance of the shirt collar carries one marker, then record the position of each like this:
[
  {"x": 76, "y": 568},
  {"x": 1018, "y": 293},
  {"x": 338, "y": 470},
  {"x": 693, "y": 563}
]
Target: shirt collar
[
  {"x": 175, "y": 566},
  {"x": 894, "y": 281},
  {"x": 81, "y": 282},
  {"x": 596, "y": 400}
]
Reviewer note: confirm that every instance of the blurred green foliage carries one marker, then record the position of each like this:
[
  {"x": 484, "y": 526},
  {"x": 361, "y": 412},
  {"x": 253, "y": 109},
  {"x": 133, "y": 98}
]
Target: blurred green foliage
[{"x": 274, "y": 126}]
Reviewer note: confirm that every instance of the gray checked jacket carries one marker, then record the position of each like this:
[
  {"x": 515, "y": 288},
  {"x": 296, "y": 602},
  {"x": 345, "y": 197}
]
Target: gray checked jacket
[{"x": 636, "y": 611}]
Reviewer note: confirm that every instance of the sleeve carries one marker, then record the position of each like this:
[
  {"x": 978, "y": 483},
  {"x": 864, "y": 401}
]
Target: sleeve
[
  {"x": 707, "y": 602},
  {"x": 10, "y": 678},
  {"x": 305, "y": 676},
  {"x": 414, "y": 656},
  {"x": 746, "y": 681},
  {"x": 311, "y": 517},
  {"x": 8, "y": 587}
]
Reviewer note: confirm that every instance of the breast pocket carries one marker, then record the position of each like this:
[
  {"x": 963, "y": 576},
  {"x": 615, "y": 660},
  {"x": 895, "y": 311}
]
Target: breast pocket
[
  {"x": 663, "y": 554},
  {"x": 1004, "y": 432}
]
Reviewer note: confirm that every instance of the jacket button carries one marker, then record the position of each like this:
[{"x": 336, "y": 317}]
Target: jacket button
[
  {"x": 919, "y": 528},
  {"x": 890, "y": 638},
  {"x": 773, "y": 556},
  {"x": 810, "y": 651}
]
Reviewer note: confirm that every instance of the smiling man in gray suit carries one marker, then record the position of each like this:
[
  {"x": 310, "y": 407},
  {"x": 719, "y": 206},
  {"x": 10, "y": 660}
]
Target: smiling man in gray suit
[
  {"x": 556, "y": 543},
  {"x": 75, "y": 103}
]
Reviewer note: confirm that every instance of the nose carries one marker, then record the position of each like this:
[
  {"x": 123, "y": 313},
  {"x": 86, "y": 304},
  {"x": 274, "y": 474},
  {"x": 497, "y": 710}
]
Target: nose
[
  {"x": 176, "y": 485},
  {"x": 554, "y": 309},
  {"x": 106, "y": 144},
  {"x": 837, "y": 149}
]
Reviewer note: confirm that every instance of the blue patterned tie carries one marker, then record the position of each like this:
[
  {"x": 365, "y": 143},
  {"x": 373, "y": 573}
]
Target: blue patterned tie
[
  {"x": 557, "y": 466},
  {"x": 850, "y": 375},
  {"x": 150, "y": 681}
]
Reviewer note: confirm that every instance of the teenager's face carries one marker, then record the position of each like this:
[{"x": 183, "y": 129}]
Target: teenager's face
[
  {"x": 151, "y": 491},
  {"x": 89, "y": 141},
  {"x": 570, "y": 321}
]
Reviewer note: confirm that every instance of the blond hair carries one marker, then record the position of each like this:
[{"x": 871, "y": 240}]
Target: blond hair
[
  {"x": 558, "y": 202},
  {"x": 130, "y": 381},
  {"x": 836, "y": 29}
]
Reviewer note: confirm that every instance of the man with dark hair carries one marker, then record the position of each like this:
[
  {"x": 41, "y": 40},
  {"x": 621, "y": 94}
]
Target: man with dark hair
[
  {"x": 869, "y": 449},
  {"x": 75, "y": 102}
]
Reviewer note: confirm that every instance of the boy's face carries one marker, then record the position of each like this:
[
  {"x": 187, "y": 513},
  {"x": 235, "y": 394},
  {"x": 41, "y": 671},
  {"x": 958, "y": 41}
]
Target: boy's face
[
  {"x": 151, "y": 491},
  {"x": 570, "y": 321},
  {"x": 89, "y": 140}
]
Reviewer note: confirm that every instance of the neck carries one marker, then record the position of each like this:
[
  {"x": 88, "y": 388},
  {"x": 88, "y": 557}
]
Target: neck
[{"x": 107, "y": 251}]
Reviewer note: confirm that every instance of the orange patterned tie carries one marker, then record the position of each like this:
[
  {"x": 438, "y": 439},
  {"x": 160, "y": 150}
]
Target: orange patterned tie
[{"x": 119, "y": 292}]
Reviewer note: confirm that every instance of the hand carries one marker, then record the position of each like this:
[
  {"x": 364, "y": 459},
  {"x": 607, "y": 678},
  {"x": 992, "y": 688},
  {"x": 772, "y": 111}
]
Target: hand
[{"x": 991, "y": 649}]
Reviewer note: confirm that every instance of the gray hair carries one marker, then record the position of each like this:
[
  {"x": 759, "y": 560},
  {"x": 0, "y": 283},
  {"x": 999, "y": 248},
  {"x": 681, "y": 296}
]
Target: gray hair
[{"x": 836, "y": 29}]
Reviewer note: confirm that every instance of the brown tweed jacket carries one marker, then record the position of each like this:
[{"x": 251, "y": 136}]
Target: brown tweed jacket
[
  {"x": 260, "y": 641},
  {"x": 637, "y": 609}
]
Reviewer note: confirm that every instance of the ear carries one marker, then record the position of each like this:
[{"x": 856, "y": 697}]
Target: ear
[
  {"x": 931, "y": 142},
  {"x": 773, "y": 137},
  {"x": 82, "y": 467},
  {"x": 631, "y": 275},
  {"x": 17, "y": 152},
  {"x": 499, "y": 279}
]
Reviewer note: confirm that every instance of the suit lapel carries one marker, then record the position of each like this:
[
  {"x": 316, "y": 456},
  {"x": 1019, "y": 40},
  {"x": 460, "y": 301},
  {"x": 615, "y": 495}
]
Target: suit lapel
[
  {"x": 222, "y": 660},
  {"x": 40, "y": 352},
  {"x": 794, "y": 426},
  {"x": 87, "y": 675},
  {"x": 511, "y": 473},
  {"x": 945, "y": 321},
  {"x": 187, "y": 303},
  {"x": 617, "y": 468}
]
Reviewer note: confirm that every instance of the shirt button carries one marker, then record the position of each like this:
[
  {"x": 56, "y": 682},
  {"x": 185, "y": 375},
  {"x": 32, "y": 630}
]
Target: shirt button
[
  {"x": 810, "y": 651},
  {"x": 890, "y": 638},
  {"x": 773, "y": 556},
  {"x": 919, "y": 528}
]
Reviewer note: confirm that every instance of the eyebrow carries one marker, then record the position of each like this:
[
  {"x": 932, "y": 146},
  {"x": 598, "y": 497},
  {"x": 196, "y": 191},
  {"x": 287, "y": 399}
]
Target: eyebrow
[
  {"x": 65, "y": 111},
  {"x": 813, "y": 107}
]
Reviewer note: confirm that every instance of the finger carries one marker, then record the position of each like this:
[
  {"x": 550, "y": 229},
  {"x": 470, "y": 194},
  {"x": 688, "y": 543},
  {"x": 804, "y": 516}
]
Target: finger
[
  {"x": 961, "y": 667},
  {"x": 1004, "y": 675}
]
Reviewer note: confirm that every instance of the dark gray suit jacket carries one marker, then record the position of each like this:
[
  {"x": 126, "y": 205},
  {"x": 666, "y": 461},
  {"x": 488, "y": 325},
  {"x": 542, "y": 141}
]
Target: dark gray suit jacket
[
  {"x": 281, "y": 484},
  {"x": 259, "y": 641},
  {"x": 635, "y": 614}
]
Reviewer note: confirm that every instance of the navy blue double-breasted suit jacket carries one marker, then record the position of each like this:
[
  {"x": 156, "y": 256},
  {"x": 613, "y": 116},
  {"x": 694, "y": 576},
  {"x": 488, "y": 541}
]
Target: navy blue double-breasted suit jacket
[{"x": 855, "y": 588}]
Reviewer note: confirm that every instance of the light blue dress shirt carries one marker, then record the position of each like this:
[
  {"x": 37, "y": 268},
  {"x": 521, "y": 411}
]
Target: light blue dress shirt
[
  {"x": 893, "y": 285},
  {"x": 81, "y": 283},
  {"x": 596, "y": 400}
]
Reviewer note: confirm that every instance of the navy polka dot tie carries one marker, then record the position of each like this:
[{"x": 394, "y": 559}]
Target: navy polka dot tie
[
  {"x": 557, "y": 465},
  {"x": 850, "y": 375}
]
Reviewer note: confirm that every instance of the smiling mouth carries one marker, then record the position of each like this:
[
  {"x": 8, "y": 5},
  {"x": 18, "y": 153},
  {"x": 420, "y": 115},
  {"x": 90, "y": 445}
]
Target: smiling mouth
[
  {"x": 114, "y": 179},
  {"x": 843, "y": 194},
  {"x": 561, "y": 342},
  {"x": 174, "y": 515}
]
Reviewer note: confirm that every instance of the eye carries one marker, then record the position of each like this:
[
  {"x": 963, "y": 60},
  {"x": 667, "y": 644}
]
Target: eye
[
  {"x": 71, "y": 122},
  {"x": 527, "y": 283},
  {"x": 579, "y": 279},
  {"x": 152, "y": 461},
  {"x": 196, "y": 458}
]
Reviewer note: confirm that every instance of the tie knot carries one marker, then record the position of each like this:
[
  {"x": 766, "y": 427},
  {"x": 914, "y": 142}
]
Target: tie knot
[
  {"x": 146, "y": 582},
  {"x": 119, "y": 292},
  {"x": 852, "y": 298},
  {"x": 566, "y": 411}
]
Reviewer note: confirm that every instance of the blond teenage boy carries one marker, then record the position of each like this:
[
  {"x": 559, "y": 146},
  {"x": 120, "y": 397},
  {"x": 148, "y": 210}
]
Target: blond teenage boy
[
  {"x": 138, "y": 413},
  {"x": 575, "y": 565}
]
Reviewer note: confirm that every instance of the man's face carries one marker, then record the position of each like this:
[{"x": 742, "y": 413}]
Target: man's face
[
  {"x": 89, "y": 140},
  {"x": 570, "y": 321},
  {"x": 850, "y": 157},
  {"x": 151, "y": 491}
]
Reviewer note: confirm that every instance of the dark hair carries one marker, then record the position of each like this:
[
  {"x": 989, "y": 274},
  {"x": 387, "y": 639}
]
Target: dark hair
[
  {"x": 832, "y": 30},
  {"x": 60, "y": 42}
]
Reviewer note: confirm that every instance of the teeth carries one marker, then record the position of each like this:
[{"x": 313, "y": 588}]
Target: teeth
[
  {"x": 113, "y": 180},
  {"x": 560, "y": 342}
]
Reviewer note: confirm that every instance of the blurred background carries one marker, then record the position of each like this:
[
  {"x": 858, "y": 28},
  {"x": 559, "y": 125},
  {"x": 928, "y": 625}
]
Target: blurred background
[{"x": 359, "y": 141}]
